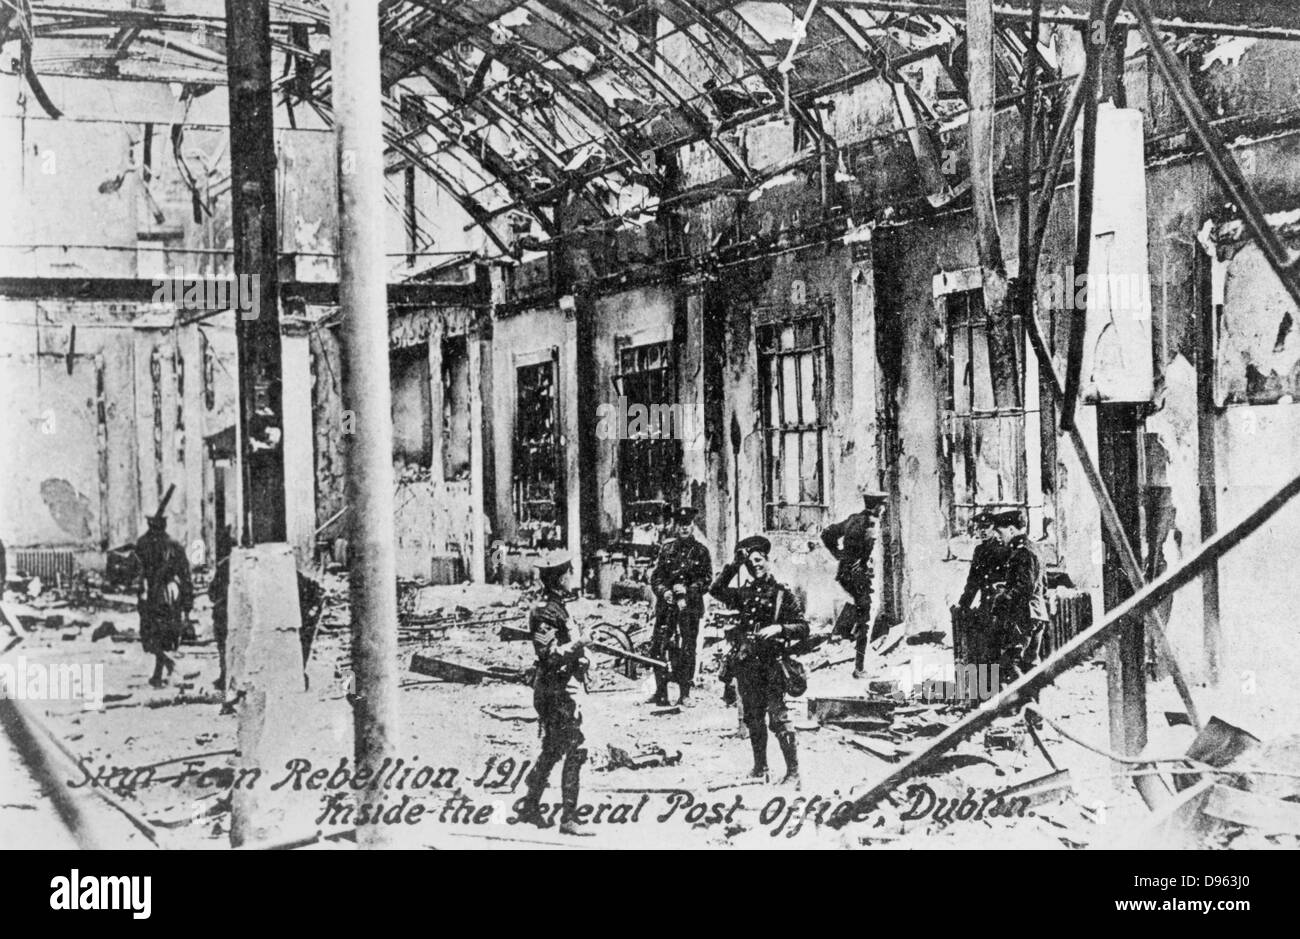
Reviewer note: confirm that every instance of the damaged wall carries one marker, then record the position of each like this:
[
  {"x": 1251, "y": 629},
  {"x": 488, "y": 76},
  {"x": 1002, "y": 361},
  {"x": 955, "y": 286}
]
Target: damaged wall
[
  {"x": 439, "y": 520},
  {"x": 100, "y": 434},
  {"x": 525, "y": 339}
]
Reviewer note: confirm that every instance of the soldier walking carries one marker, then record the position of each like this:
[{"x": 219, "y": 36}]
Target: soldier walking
[
  {"x": 770, "y": 616},
  {"x": 679, "y": 580},
  {"x": 165, "y": 596},
  {"x": 851, "y": 542},
  {"x": 557, "y": 686}
]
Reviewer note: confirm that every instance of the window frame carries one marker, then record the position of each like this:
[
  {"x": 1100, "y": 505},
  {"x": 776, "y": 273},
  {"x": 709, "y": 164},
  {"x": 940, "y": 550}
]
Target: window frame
[
  {"x": 671, "y": 457},
  {"x": 773, "y": 321}
]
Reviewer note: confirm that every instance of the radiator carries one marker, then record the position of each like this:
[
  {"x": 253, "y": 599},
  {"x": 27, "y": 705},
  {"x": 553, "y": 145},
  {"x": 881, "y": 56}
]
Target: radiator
[
  {"x": 47, "y": 564},
  {"x": 447, "y": 569},
  {"x": 1070, "y": 611}
]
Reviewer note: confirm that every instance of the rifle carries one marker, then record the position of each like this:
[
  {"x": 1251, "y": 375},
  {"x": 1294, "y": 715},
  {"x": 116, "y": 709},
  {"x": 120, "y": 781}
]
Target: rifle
[{"x": 516, "y": 632}]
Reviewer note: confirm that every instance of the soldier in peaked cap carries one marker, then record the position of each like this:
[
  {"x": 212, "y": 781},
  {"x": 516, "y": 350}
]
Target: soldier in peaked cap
[
  {"x": 557, "y": 687},
  {"x": 851, "y": 542},
  {"x": 986, "y": 565},
  {"x": 1020, "y": 606},
  {"x": 984, "y": 581},
  {"x": 680, "y": 579},
  {"x": 770, "y": 617}
]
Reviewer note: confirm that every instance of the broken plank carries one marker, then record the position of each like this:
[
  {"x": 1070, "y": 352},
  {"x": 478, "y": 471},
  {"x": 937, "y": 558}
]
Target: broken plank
[
  {"x": 825, "y": 710},
  {"x": 1271, "y": 816},
  {"x": 434, "y": 667}
]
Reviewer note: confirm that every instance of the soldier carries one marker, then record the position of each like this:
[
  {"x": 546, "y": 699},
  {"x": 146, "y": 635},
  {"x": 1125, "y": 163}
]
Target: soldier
[
  {"x": 679, "y": 581},
  {"x": 770, "y": 616},
  {"x": 1020, "y": 606},
  {"x": 984, "y": 579},
  {"x": 165, "y": 596},
  {"x": 218, "y": 592},
  {"x": 559, "y": 680},
  {"x": 851, "y": 542}
]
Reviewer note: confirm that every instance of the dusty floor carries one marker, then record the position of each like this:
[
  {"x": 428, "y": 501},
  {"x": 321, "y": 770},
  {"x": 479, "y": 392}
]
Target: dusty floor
[{"x": 696, "y": 797}]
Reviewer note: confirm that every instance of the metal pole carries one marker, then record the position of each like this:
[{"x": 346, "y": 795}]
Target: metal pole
[
  {"x": 1095, "y": 38},
  {"x": 1077, "y": 650},
  {"x": 1001, "y": 345},
  {"x": 257, "y": 258},
  {"x": 358, "y": 112}
]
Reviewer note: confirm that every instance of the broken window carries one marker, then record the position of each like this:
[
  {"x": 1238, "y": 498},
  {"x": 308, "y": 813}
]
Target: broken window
[
  {"x": 792, "y": 366},
  {"x": 455, "y": 409},
  {"x": 990, "y": 461},
  {"x": 412, "y": 406},
  {"x": 538, "y": 496},
  {"x": 650, "y": 450}
]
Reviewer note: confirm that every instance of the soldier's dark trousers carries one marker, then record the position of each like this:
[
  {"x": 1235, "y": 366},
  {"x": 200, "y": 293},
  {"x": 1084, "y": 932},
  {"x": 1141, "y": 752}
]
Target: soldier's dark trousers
[
  {"x": 762, "y": 697},
  {"x": 862, "y": 631},
  {"x": 562, "y": 739},
  {"x": 1021, "y": 645}
]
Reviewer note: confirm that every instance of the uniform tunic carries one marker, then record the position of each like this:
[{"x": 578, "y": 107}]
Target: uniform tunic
[
  {"x": 162, "y": 621},
  {"x": 987, "y": 568},
  {"x": 851, "y": 542},
  {"x": 558, "y": 681},
  {"x": 681, "y": 561},
  {"x": 1021, "y": 609},
  {"x": 760, "y": 679}
]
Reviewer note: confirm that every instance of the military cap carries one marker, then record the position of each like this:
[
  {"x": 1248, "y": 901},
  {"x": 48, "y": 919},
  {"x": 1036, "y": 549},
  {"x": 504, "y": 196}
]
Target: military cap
[
  {"x": 873, "y": 496},
  {"x": 554, "y": 569},
  {"x": 980, "y": 519},
  {"x": 684, "y": 513},
  {"x": 754, "y": 543},
  {"x": 1012, "y": 518}
]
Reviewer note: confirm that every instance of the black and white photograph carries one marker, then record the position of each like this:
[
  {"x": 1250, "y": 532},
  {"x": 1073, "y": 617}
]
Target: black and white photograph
[{"x": 666, "y": 425}]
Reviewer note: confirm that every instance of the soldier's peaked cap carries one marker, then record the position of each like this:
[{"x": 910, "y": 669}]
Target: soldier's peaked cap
[
  {"x": 873, "y": 496},
  {"x": 754, "y": 543},
  {"x": 685, "y": 513},
  {"x": 1012, "y": 518}
]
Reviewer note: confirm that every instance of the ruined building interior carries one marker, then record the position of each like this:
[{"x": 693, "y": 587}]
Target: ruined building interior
[{"x": 744, "y": 256}]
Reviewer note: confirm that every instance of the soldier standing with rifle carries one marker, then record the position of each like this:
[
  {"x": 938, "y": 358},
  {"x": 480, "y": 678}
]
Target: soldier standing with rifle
[
  {"x": 851, "y": 542},
  {"x": 679, "y": 580},
  {"x": 559, "y": 680},
  {"x": 165, "y": 593},
  {"x": 770, "y": 616}
]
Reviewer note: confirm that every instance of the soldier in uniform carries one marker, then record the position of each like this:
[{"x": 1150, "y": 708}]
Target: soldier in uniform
[
  {"x": 165, "y": 595},
  {"x": 558, "y": 683},
  {"x": 770, "y": 616},
  {"x": 1020, "y": 606},
  {"x": 851, "y": 542},
  {"x": 987, "y": 565},
  {"x": 984, "y": 580},
  {"x": 679, "y": 580}
]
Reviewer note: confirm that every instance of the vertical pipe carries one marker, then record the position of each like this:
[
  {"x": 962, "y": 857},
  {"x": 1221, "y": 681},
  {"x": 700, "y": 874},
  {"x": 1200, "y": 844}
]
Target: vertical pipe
[
  {"x": 257, "y": 258},
  {"x": 1208, "y": 309},
  {"x": 1095, "y": 39},
  {"x": 367, "y": 392},
  {"x": 981, "y": 72}
]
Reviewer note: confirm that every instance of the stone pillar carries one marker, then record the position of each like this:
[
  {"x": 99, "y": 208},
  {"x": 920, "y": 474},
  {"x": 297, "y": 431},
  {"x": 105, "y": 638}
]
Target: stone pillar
[{"x": 265, "y": 677}]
